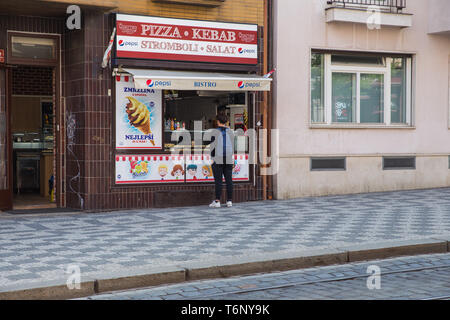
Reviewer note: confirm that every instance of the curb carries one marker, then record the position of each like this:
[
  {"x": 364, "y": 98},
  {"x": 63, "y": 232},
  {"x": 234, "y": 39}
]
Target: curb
[
  {"x": 236, "y": 267},
  {"x": 55, "y": 292}
]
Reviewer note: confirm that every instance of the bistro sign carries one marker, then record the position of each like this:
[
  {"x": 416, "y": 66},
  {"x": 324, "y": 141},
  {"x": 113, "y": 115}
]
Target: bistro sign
[{"x": 142, "y": 37}]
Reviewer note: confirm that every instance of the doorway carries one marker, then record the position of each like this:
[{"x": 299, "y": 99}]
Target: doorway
[
  {"x": 32, "y": 117},
  {"x": 29, "y": 99}
]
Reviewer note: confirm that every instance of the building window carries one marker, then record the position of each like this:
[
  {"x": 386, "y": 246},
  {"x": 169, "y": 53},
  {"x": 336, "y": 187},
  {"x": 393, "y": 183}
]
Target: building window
[
  {"x": 360, "y": 89},
  {"x": 317, "y": 86},
  {"x": 398, "y": 90},
  {"x": 33, "y": 48},
  {"x": 343, "y": 97}
]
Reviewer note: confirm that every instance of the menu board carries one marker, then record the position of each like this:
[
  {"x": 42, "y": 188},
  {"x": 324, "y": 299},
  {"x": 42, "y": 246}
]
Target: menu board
[
  {"x": 138, "y": 116},
  {"x": 136, "y": 169}
]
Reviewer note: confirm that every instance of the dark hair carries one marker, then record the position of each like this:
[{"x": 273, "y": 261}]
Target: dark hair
[
  {"x": 222, "y": 116},
  {"x": 191, "y": 167}
]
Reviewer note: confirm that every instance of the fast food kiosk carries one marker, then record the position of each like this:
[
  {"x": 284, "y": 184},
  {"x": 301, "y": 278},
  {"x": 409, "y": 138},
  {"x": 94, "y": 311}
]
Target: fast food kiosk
[
  {"x": 115, "y": 121},
  {"x": 162, "y": 116}
]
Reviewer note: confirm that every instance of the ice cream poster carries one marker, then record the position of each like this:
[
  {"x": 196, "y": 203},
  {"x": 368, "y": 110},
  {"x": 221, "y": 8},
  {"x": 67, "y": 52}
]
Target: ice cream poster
[
  {"x": 199, "y": 169},
  {"x": 138, "y": 169},
  {"x": 138, "y": 116}
]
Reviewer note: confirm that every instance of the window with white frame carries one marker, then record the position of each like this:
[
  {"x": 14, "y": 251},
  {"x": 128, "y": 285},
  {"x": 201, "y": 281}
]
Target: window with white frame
[{"x": 360, "y": 89}]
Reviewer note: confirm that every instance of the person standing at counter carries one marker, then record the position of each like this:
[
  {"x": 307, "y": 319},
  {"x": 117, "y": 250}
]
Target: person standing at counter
[{"x": 222, "y": 156}]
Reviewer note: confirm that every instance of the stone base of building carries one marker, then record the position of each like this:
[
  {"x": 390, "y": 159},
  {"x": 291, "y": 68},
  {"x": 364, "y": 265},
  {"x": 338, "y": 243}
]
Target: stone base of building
[{"x": 363, "y": 174}]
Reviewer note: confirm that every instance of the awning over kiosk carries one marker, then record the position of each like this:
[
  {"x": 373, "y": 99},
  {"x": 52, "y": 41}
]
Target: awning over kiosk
[{"x": 183, "y": 80}]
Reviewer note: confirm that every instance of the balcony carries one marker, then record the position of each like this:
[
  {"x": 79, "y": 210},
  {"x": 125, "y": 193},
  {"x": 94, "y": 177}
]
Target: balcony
[{"x": 373, "y": 13}]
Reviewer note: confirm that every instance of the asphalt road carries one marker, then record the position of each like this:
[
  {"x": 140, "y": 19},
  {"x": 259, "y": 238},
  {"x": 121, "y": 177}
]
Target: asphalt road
[{"x": 425, "y": 277}]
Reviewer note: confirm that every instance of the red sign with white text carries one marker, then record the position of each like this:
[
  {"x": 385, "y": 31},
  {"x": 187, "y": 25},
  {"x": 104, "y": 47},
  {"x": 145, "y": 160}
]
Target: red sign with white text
[
  {"x": 2, "y": 56},
  {"x": 142, "y": 37}
]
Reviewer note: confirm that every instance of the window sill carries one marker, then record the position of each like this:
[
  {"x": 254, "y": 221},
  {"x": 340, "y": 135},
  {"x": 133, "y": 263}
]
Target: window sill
[{"x": 360, "y": 126}]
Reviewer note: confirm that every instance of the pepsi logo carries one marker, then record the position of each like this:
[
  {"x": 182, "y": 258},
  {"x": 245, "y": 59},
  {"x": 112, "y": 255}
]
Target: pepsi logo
[
  {"x": 150, "y": 83},
  {"x": 241, "y": 51},
  {"x": 241, "y": 84},
  {"x": 121, "y": 43}
]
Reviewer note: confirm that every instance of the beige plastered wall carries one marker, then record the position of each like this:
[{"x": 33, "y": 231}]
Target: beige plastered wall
[{"x": 300, "y": 27}]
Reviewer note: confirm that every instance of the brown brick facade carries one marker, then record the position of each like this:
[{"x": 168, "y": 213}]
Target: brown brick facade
[
  {"x": 93, "y": 110},
  {"x": 243, "y": 11},
  {"x": 54, "y": 26},
  {"x": 86, "y": 159},
  {"x": 29, "y": 80}
]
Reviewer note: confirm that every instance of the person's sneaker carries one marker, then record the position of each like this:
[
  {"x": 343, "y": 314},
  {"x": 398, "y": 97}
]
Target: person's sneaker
[
  {"x": 229, "y": 204},
  {"x": 215, "y": 204}
]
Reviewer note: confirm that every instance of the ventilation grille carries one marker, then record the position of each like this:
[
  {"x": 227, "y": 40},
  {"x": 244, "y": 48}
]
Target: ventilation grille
[
  {"x": 328, "y": 164},
  {"x": 399, "y": 163}
]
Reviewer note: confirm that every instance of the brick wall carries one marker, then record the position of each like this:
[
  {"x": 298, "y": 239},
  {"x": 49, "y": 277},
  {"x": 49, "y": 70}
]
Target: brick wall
[
  {"x": 86, "y": 161},
  {"x": 93, "y": 109},
  {"x": 246, "y": 11},
  {"x": 29, "y": 80}
]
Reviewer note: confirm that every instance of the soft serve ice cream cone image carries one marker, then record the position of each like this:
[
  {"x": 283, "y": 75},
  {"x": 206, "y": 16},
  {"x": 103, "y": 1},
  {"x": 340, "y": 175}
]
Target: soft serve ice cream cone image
[{"x": 139, "y": 116}]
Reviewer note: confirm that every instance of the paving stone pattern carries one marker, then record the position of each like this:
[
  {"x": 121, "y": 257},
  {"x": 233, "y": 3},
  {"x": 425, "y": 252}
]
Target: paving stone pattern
[
  {"x": 397, "y": 282},
  {"x": 40, "y": 248}
]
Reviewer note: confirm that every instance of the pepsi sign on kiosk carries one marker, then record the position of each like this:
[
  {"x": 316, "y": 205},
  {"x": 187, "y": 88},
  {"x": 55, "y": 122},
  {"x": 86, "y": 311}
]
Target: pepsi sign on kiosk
[{"x": 189, "y": 80}]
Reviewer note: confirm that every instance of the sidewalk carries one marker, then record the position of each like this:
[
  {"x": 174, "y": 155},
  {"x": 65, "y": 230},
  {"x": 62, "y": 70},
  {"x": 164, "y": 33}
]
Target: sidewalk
[{"x": 126, "y": 249}]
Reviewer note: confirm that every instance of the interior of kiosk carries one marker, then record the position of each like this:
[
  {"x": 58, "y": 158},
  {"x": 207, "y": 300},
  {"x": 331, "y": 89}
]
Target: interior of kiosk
[
  {"x": 183, "y": 108},
  {"x": 32, "y": 115}
]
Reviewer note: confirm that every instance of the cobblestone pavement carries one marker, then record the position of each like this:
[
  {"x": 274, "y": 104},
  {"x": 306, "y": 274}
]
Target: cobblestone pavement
[
  {"x": 35, "y": 248},
  {"x": 406, "y": 278}
]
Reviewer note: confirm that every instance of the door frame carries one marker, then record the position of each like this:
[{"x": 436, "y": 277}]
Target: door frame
[
  {"x": 6, "y": 195},
  {"x": 58, "y": 122}
]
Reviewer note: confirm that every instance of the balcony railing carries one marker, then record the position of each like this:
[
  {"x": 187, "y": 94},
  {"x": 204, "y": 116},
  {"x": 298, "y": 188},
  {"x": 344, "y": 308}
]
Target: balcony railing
[{"x": 385, "y": 5}]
